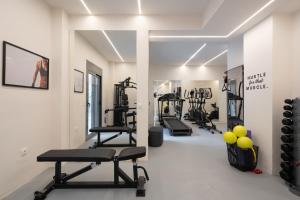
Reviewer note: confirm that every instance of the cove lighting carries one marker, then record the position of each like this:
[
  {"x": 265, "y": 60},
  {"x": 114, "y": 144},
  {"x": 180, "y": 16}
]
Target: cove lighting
[
  {"x": 216, "y": 36},
  {"x": 86, "y": 7},
  {"x": 202, "y": 47},
  {"x": 113, "y": 46},
  {"x": 249, "y": 18},
  {"x": 212, "y": 59},
  {"x": 186, "y": 36},
  {"x": 139, "y": 6}
]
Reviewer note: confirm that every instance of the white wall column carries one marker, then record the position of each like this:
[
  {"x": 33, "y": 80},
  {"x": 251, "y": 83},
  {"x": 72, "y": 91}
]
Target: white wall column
[
  {"x": 267, "y": 73},
  {"x": 142, "y": 84}
]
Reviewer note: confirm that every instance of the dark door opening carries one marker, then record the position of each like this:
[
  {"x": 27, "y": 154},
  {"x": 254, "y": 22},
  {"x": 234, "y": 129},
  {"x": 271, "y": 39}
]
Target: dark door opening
[{"x": 94, "y": 103}]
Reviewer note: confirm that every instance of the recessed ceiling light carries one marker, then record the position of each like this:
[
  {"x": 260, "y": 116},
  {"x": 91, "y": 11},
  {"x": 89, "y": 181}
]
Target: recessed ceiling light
[
  {"x": 86, "y": 7},
  {"x": 139, "y": 6},
  {"x": 113, "y": 46},
  {"x": 202, "y": 47},
  {"x": 212, "y": 59},
  {"x": 215, "y": 36}
]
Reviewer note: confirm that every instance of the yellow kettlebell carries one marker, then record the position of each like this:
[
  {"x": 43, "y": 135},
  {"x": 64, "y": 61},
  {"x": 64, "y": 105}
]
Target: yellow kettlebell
[
  {"x": 246, "y": 143},
  {"x": 240, "y": 131},
  {"x": 230, "y": 137}
]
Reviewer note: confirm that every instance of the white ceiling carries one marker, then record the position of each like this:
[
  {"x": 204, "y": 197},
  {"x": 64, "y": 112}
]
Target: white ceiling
[
  {"x": 124, "y": 41},
  {"x": 98, "y": 7},
  {"x": 177, "y": 52},
  {"x": 216, "y": 17},
  {"x": 174, "y": 7},
  {"x": 130, "y": 7}
]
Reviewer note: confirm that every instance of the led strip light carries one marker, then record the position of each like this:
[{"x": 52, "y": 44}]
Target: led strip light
[
  {"x": 202, "y": 47},
  {"x": 212, "y": 59},
  {"x": 139, "y": 7},
  {"x": 86, "y": 7},
  {"x": 113, "y": 46}
]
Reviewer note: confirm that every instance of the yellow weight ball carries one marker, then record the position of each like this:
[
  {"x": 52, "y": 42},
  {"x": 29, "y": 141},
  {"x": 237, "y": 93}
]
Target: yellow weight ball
[
  {"x": 230, "y": 137},
  {"x": 240, "y": 131}
]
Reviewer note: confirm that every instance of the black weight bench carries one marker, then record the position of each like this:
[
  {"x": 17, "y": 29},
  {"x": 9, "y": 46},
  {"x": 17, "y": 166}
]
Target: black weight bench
[
  {"x": 120, "y": 130},
  {"x": 96, "y": 156}
]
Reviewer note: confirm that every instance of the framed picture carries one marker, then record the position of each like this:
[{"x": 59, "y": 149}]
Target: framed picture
[
  {"x": 78, "y": 81},
  {"x": 23, "y": 68}
]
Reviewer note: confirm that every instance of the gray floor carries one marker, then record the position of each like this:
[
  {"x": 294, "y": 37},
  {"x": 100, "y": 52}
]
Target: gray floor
[{"x": 184, "y": 168}]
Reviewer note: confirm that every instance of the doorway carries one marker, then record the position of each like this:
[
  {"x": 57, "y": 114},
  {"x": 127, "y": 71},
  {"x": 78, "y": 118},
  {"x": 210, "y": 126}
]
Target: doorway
[{"x": 93, "y": 99}]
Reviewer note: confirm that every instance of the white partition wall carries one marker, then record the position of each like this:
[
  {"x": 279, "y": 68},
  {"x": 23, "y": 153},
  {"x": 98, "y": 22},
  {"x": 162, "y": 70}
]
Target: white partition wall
[
  {"x": 258, "y": 55},
  {"x": 268, "y": 71}
]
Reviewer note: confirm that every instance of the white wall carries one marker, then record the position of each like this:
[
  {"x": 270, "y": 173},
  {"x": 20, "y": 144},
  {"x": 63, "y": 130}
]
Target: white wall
[
  {"x": 185, "y": 74},
  {"x": 29, "y": 117},
  {"x": 282, "y": 83},
  {"x": 296, "y": 54},
  {"x": 235, "y": 55},
  {"x": 60, "y": 44}
]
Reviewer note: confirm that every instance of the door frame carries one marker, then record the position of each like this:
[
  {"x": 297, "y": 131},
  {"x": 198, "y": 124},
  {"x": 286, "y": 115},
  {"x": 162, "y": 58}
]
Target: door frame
[{"x": 93, "y": 69}]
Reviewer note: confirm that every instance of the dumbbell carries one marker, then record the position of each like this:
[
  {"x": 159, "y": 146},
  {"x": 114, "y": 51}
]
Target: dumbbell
[
  {"x": 288, "y": 107},
  {"x": 287, "y": 166},
  {"x": 286, "y": 175},
  {"x": 287, "y": 122},
  {"x": 288, "y": 114},
  {"x": 289, "y": 101},
  {"x": 124, "y": 97},
  {"x": 287, "y": 157},
  {"x": 287, "y": 130},
  {"x": 287, "y": 148},
  {"x": 287, "y": 138}
]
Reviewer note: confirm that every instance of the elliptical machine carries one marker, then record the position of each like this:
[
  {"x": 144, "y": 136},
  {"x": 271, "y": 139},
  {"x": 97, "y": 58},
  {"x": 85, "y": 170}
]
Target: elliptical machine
[
  {"x": 202, "y": 117},
  {"x": 191, "y": 97}
]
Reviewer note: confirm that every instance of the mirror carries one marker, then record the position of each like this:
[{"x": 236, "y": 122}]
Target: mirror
[
  {"x": 235, "y": 97},
  {"x": 107, "y": 58},
  {"x": 186, "y": 100},
  {"x": 188, "y": 71}
]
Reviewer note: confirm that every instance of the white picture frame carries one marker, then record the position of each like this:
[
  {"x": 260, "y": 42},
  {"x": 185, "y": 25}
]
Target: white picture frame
[{"x": 78, "y": 81}]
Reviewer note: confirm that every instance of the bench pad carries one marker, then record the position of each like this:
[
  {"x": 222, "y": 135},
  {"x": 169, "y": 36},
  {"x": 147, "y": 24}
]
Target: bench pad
[
  {"x": 110, "y": 129},
  {"x": 78, "y": 155},
  {"x": 132, "y": 153}
]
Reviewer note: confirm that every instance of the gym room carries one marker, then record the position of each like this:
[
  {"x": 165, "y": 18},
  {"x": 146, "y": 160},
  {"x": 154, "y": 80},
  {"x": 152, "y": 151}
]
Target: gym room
[{"x": 149, "y": 99}]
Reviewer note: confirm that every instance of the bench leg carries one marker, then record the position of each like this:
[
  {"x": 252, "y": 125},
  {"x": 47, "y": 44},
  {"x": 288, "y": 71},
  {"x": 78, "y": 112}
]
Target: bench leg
[
  {"x": 130, "y": 138},
  {"x": 40, "y": 195},
  {"x": 140, "y": 190},
  {"x": 57, "y": 179}
]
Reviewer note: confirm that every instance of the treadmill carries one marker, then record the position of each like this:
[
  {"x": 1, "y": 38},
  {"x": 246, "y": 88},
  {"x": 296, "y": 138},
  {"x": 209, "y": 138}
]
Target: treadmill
[{"x": 173, "y": 122}]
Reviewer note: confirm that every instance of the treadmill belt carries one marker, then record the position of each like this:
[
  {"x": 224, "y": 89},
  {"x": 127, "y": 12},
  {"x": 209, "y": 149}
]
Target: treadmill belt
[{"x": 177, "y": 127}]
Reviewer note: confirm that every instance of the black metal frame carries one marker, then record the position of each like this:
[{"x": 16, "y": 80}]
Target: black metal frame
[
  {"x": 61, "y": 180},
  {"x": 4, "y": 66},
  {"x": 171, "y": 97},
  {"x": 119, "y": 110},
  {"x": 101, "y": 143}
]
